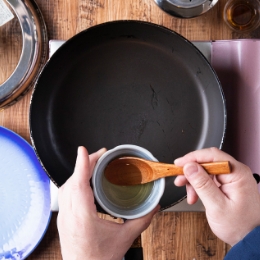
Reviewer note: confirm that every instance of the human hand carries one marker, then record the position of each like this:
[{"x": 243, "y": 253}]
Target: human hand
[
  {"x": 83, "y": 235},
  {"x": 232, "y": 201}
]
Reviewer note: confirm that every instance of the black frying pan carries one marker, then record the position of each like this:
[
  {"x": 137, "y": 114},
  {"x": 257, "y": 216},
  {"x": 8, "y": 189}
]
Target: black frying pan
[{"x": 126, "y": 82}]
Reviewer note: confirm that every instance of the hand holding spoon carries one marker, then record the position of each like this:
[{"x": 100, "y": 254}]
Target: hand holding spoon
[{"x": 133, "y": 170}]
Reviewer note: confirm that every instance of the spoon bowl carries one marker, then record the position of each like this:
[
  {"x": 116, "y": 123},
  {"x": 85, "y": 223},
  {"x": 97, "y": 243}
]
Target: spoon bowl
[{"x": 133, "y": 171}]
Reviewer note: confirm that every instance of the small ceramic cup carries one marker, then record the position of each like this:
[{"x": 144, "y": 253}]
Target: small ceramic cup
[{"x": 127, "y": 202}]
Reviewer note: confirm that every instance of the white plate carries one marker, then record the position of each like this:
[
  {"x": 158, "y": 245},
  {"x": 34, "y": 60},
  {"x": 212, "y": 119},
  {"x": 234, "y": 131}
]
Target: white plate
[{"x": 24, "y": 197}]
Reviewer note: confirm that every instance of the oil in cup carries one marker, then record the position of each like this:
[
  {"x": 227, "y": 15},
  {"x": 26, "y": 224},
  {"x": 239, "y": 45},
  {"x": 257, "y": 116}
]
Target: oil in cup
[{"x": 242, "y": 15}]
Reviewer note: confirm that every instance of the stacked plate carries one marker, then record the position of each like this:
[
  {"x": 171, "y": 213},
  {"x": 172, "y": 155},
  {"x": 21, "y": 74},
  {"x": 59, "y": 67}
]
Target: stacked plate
[{"x": 24, "y": 197}]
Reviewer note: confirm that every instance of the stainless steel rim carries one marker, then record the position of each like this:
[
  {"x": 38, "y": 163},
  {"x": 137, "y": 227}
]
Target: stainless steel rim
[
  {"x": 190, "y": 9},
  {"x": 34, "y": 52}
]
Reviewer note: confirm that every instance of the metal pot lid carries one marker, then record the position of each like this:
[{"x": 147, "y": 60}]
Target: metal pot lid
[
  {"x": 34, "y": 52},
  {"x": 185, "y": 8}
]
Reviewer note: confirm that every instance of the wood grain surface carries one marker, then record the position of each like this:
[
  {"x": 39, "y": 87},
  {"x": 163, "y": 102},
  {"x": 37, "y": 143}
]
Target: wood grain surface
[{"x": 172, "y": 235}]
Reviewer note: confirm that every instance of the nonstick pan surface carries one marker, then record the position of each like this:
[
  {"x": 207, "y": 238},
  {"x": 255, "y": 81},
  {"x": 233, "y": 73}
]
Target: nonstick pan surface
[{"x": 126, "y": 82}]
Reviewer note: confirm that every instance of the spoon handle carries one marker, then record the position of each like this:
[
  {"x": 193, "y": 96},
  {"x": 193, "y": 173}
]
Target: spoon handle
[{"x": 166, "y": 170}]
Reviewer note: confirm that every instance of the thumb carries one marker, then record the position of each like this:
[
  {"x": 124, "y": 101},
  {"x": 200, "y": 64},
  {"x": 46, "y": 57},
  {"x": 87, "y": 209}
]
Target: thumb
[
  {"x": 204, "y": 186},
  {"x": 81, "y": 171},
  {"x": 135, "y": 227}
]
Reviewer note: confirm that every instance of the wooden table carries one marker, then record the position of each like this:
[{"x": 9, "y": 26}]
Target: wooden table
[{"x": 172, "y": 235}]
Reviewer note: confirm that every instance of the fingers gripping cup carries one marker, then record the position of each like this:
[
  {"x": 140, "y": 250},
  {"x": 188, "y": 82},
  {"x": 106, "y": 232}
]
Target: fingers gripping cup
[{"x": 126, "y": 202}]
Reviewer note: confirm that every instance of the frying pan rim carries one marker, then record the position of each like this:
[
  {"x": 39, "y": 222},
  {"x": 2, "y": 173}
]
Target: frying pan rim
[{"x": 161, "y": 27}]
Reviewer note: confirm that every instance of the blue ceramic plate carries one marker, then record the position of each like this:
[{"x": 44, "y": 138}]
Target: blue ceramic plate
[{"x": 24, "y": 197}]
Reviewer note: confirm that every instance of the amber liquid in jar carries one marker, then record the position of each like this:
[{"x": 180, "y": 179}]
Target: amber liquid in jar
[{"x": 242, "y": 15}]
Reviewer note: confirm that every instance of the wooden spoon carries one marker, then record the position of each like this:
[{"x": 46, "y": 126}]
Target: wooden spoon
[{"x": 132, "y": 170}]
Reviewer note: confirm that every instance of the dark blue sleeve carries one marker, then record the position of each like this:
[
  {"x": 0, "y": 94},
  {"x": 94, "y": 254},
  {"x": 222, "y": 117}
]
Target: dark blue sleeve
[{"x": 247, "y": 249}]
